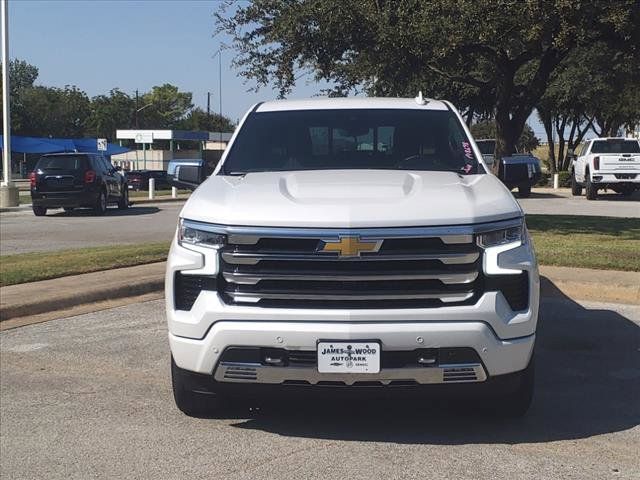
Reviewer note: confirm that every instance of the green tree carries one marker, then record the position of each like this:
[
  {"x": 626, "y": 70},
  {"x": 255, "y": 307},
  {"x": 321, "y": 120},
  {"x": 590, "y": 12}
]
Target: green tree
[
  {"x": 197, "y": 119},
  {"x": 502, "y": 53},
  {"x": 109, "y": 113},
  {"x": 163, "y": 107},
  {"x": 55, "y": 112},
  {"x": 595, "y": 88},
  {"x": 22, "y": 76}
]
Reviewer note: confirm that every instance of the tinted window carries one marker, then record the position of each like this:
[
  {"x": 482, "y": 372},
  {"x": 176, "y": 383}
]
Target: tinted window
[
  {"x": 487, "y": 147},
  {"x": 351, "y": 139},
  {"x": 62, "y": 162},
  {"x": 615, "y": 146},
  {"x": 103, "y": 164}
]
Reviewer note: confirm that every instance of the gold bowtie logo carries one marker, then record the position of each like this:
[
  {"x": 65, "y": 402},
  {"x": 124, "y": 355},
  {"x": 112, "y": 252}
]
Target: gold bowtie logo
[{"x": 349, "y": 246}]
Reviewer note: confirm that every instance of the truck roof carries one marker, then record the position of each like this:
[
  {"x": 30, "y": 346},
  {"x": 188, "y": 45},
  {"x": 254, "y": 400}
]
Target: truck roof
[{"x": 330, "y": 103}]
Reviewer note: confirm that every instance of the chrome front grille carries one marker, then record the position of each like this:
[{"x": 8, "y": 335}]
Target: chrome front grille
[{"x": 411, "y": 267}]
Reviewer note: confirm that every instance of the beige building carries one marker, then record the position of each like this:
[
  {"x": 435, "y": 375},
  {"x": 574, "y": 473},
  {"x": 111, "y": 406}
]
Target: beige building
[{"x": 154, "y": 149}]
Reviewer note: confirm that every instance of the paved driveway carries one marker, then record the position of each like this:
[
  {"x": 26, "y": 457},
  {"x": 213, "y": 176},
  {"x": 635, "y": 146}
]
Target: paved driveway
[
  {"x": 561, "y": 202},
  {"x": 89, "y": 397}
]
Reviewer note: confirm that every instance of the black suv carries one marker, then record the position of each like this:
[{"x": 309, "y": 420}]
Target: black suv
[{"x": 71, "y": 180}]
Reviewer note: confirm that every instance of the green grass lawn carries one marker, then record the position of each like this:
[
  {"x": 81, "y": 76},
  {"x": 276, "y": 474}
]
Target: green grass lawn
[
  {"x": 30, "y": 267},
  {"x": 606, "y": 243}
]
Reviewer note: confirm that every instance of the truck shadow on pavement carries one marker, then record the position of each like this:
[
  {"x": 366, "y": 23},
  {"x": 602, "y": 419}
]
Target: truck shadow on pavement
[{"x": 587, "y": 383}]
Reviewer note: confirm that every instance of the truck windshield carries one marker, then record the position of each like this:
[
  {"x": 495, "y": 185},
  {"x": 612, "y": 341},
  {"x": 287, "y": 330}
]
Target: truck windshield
[
  {"x": 615, "y": 146},
  {"x": 396, "y": 139}
]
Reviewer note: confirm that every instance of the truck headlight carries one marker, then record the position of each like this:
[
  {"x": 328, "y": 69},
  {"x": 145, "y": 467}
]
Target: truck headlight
[
  {"x": 498, "y": 241},
  {"x": 190, "y": 234},
  {"x": 502, "y": 237}
]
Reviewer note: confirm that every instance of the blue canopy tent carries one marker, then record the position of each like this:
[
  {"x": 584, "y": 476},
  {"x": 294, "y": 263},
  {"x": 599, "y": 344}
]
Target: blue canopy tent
[
  {"x": 36, "y": 146},
  {"x": 59, "y": 145}
]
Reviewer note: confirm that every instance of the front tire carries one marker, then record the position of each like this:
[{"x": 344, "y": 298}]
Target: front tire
[
  {"x": 590, "y": 189},
  {"x": 39, "y": 211},
  {"x": 524, "y": 191},
  {"x": 101, "y": 203},
  {"x": 189, "y": 402},
  {"x": 576, "y": 189}
]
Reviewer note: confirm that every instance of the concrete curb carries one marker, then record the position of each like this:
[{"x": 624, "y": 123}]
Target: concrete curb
[
  {"x": 162, "y": 199},
  {"x": 63, "y": 293}
]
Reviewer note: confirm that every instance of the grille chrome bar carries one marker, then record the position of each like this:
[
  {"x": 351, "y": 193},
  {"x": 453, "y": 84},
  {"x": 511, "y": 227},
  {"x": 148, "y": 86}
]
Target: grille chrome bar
[
  {"x": 257, "y": 373},
  {"x": 253, "y": 258},
  {"x": 445, "y": 277},
  {"x": 243, "y": 239},
  {"x": 443, "y": 296}
]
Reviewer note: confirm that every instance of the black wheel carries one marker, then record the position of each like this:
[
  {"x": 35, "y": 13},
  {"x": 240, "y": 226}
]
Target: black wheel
[
  {"x": 123, "y": 203},
  {"x": 627, "y": 192},
  {"x": 517, "y": 403},
  {"x": 591, "y": 190},
  {"x": 524, "y": 191},
  {"x": 101, "y": 203},
  {"x": 189, "y": 402},
  {"x": 576, "y": 188},
  {"x": 39, "y": 211},
  {"x": 68, "y": 209}
]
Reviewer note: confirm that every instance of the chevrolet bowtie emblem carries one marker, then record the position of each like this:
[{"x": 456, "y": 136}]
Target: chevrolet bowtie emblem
[{"x": 349, "y": 246}]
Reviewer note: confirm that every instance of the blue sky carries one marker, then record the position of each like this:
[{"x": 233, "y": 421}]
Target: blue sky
[{"x": 99, "y": 45}]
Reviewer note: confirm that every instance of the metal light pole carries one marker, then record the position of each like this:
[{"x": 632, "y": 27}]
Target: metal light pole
[
  {"x": 8, "y": 191},
  {"x": 219, "y": 53}
]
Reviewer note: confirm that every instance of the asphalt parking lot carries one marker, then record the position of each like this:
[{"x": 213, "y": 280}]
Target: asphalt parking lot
[
  {"x": 89, "y": 397},
  {"x": 22, "y": 232}
]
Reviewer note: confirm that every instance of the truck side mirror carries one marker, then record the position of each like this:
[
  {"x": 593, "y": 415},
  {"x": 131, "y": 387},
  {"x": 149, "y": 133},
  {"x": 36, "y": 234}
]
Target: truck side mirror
[{"x": 190, "y": 176}]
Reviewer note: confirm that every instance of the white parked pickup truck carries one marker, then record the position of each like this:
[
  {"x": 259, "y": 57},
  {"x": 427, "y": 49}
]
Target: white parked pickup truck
[
  {"x": 604, "y": 163},
  {"x": 351, "y": 244}
]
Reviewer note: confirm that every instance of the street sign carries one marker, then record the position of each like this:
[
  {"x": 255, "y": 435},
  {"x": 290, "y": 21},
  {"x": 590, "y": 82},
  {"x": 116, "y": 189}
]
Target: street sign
[
  {"x": 102, "y": 144},
  {"x": 144, "y": 137}
]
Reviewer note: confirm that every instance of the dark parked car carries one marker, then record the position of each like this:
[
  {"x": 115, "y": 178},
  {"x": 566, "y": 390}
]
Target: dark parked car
[
  {"x": 139, "y": 179},
  {"x": 520, "y": 170},
  {"x": 72, "y": 180}
]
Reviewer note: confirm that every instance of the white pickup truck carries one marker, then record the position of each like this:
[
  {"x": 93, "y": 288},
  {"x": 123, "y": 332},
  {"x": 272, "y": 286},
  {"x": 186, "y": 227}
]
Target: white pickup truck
[
  {"x": 352, "y": 244},
  {"x": 604, "y": 163}
]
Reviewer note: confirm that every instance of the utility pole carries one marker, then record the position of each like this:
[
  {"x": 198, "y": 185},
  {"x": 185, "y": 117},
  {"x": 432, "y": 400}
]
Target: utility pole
[
  {"x": 137, "y": 125},
  {"x": 208, "y": 104},
  {"x": 8, "y": 191}
]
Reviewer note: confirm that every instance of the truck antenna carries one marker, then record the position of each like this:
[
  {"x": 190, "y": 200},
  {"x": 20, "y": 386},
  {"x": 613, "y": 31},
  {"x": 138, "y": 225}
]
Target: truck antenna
[{"x": 420, "y": 99}]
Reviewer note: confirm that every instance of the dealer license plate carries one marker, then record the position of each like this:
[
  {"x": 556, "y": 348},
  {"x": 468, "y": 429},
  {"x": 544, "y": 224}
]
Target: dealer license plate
[{"x": 348, "y": 357}]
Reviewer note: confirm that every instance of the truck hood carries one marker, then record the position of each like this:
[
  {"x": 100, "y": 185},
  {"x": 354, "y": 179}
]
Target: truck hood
[{"x": 351, "y": 199}]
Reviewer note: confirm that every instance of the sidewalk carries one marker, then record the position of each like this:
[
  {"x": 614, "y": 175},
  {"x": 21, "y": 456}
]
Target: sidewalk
[{"x": 57, "y": 295}]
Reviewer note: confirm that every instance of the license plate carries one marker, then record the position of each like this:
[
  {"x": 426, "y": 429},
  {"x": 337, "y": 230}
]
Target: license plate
[{"x": 348, "y": 357}]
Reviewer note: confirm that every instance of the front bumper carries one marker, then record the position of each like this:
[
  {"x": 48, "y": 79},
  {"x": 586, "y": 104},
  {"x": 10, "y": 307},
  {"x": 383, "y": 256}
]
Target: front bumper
[
  {"x": 503, "y": 338},
  {"x": 498, "y": 357}
]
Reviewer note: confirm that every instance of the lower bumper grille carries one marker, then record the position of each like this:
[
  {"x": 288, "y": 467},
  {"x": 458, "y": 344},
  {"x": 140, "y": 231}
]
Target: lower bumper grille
[
  {"x": 255, "y": 373},
  {"x": 299, "y": 367}
]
